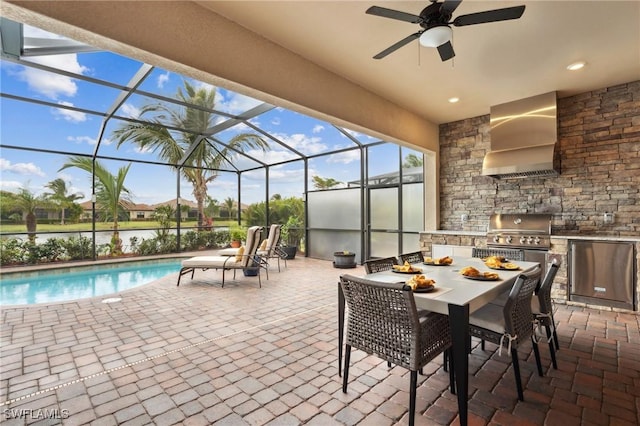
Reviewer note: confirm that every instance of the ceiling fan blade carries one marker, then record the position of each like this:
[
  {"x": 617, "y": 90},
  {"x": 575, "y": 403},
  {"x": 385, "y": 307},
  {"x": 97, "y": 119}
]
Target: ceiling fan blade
[
  {"x": 489, "y": 16},
  {"x": 449, "y": 6},
  {"x": 446, "y": 51},
  {"x": 394, "y": 14},
  {"x": 398, "y": 45}
]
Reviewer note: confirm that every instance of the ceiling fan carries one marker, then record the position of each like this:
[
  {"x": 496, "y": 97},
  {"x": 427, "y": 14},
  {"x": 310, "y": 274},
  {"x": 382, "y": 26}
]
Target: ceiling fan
[{"x": 436, "y": 21}]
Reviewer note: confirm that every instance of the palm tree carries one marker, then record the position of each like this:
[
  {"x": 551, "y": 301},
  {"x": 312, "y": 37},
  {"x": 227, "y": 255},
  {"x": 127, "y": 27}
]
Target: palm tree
[
  {"x": 111, "y": 194},
  {"x": 412, "y": 160},
  {"x": 59, "y": 196},
  {"x": 228, "y": 203},
  {"x": 201, "y": 168},
  {"x": 324, "y": 183},
  {"x": 27, "y": 202}
]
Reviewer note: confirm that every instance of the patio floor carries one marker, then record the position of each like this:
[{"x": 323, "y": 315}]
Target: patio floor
[{"x": 200, "y": 354}]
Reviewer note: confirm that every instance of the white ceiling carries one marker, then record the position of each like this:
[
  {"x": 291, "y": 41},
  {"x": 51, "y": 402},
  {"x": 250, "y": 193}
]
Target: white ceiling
[{"x": 495, "y": 62}]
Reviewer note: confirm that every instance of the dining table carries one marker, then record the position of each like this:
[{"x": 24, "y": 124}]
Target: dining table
[{"x": 454, "y": 295}]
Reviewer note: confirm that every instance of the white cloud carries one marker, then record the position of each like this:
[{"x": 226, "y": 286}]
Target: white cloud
[
  {"x": 10, "y": 185},
  {"x": 318, "y": 128},
  {"x": 82, "y": 140},
  {"x": 303, "y": 143},
  {"x": 69, "y": 115},
  {"x": 141, "y": 150},
  {"x": 162, "y": 79},
  {"x": 238, "y": 103},
  {"x": 130, "y": 111},
  {"x": 276, "y": 175},
  {"x": 51, "y": 85},
  {"x": 202, "y": 85},
  {"x": 25, "y": 169},
  {"x": 344, "y": 157}
]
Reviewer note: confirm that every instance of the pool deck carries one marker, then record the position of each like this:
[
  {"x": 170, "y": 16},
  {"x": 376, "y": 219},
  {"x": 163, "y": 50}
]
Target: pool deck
[{"x": 199, "y": 354}]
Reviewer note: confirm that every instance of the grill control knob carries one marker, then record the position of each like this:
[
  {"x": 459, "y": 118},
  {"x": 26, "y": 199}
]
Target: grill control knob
[
  {"x": 530, "y": 240},
  {"x": 522, "y": 240},
  {"x": 537, "y": 240},
  {"x": 496, "y": 238},
  {"x": 508, "y": 239}
]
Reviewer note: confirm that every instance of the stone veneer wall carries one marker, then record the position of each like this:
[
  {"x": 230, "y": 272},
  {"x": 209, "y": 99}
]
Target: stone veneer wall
[{"x": 599, "y": 144}]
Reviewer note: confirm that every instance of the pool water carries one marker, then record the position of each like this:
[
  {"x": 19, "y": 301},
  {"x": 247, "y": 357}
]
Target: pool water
[{"x": 57, "y": 285}]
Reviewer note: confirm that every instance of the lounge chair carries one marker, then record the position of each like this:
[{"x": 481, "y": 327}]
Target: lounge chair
[
  {"x": 246, "y": 259},
  {"x": 271, "y": 250}
]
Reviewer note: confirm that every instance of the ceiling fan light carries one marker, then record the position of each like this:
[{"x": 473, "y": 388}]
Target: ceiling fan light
[{"x": 436, "y": 36}]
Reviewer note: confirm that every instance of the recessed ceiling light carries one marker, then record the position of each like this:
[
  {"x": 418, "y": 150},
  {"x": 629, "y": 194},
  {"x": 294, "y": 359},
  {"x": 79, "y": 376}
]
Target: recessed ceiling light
[
  {"x": 454, "y": 100},
  {"x": 576, "y": 66}
]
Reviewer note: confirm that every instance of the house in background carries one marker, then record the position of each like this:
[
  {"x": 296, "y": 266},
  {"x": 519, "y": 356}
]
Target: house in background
[{"x": 141, "y": 211}]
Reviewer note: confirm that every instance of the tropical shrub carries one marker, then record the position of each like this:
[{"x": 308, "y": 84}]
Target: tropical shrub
[
  {"x": 11, "y": 251},
  {"x": 52, "y": 250},
  {"x": 78, "y": 248}
]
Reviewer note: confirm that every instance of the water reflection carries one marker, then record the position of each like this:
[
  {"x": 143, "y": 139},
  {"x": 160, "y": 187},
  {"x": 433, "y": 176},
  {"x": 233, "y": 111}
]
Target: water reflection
[{"x": 79, "y": 283}]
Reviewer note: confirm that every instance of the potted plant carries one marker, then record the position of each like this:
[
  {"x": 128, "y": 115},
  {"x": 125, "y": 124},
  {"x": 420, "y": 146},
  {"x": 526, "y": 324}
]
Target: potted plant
[
  {"x": 237, "y": 235},
  {"x": 344, "y": 259},
  {"x": 290, "y": 234}
]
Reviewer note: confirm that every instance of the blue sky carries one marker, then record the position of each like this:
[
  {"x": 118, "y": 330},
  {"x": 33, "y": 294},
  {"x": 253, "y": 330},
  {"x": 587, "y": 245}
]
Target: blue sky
[{"x": 47, "y": 127}]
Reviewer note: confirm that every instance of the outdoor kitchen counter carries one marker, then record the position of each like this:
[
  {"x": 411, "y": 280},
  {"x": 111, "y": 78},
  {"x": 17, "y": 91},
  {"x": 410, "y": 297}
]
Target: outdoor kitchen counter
[
  {"x": 597, "y": 238},
  {"x": 449, "y": 232},
  {"x": 559, "y": 250}
]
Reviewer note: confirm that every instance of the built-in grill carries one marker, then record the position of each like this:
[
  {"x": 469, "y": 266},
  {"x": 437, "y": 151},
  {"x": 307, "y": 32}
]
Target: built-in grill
[{"x": 530, "y": 233}]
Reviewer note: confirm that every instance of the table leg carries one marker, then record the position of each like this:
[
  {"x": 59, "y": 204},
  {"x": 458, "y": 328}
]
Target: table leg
[
  {"x": 340, "y": 327},
  {"x": 459, "y": 325}
]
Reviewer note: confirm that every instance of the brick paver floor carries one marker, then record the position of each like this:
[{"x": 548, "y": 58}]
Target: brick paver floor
[{"x": 200, "y": 354}]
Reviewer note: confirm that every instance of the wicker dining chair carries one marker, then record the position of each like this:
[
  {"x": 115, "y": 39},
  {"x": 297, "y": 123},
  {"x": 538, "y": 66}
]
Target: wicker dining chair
[
  {"x": 542, "y": 309},
  {"x": 415, "y": 257},
  {"x": 510, "y": 254},
  {"x": 379, "y": 265},
  {"x": 383, "y": 321},
  {"x": 511, "y": 323}
]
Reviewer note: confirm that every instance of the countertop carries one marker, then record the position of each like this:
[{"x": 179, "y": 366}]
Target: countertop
[
  {"x": 443, "y": 232},
  {"x": 597, "y": 238},
  {"x": 625, "y": 238}
]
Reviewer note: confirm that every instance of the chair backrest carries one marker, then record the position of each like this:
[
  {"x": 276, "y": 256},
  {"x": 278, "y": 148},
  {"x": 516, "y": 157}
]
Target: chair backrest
[
  {"x": 415, "y": 257},
  {"x": 254, "y": 235},
  {"x": 518, "y": 317},
  {"x": 507, "y": 253},
  {"x": 274, "y": 238},
  {"x": 544, "y": 292},
  {"x": 379, "y": 265},
  {"x": 383, "y": 319}
]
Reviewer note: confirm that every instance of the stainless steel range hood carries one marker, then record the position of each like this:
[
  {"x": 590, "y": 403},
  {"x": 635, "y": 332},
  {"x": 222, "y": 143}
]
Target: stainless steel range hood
[{"x": 523, "y": 139}]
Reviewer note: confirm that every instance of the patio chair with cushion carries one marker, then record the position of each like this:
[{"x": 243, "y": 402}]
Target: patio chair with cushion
[
  {"x": 383, "y": 321},
  {"x": 379, "y": 265},
  {"x": 414, "y": 257},
  {"x": 510, "y": 324},
  {"x": 269, "y": 248},
  {"x": 245, "y": 259}
]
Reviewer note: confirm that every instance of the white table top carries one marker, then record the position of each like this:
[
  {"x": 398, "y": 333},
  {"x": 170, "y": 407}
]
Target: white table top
[{"x": 462, "y": 290}]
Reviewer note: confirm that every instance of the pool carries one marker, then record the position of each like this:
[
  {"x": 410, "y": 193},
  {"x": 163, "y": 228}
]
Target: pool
[{"x": 57, "y": 285}]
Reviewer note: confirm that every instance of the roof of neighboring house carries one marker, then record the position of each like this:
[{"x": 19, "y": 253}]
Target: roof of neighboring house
[
  {"x": 87, "y": 205},
  {"x": 172, "y": 203}
]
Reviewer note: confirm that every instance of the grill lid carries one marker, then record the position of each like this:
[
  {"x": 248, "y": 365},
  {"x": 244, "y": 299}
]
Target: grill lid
[{"x": 519, "y": 231}]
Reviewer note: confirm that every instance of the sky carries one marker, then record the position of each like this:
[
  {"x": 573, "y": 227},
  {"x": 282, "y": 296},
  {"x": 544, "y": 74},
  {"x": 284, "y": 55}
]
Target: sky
[{"x": 47, "y": 127}]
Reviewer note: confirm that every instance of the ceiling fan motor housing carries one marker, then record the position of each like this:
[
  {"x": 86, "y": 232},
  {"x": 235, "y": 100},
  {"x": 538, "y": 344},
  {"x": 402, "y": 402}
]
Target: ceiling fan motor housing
[{"x": 432, "y": 16}]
